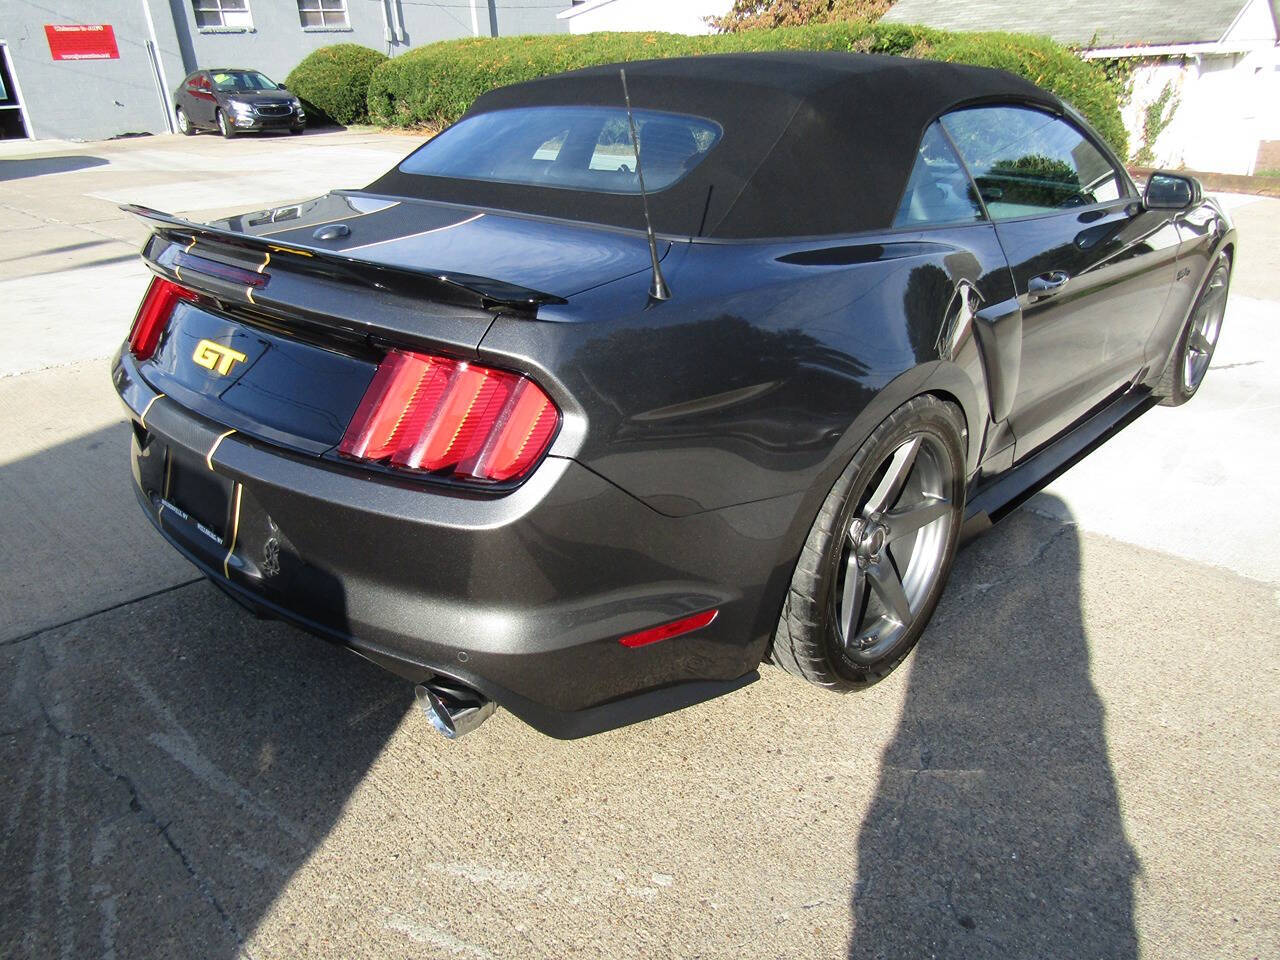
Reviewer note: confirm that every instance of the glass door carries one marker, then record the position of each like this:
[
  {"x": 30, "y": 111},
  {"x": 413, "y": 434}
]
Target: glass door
[{"x": 13, "y": 120}]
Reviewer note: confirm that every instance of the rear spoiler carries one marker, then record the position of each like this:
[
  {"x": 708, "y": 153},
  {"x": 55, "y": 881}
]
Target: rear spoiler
[{"x": 463, "y": 289}]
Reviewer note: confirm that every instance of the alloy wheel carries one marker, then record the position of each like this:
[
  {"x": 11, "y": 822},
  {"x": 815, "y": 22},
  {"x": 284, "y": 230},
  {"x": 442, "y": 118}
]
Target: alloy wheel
[
  {"x": 895, "y": 548},
  {"x": 1206, "y": 325},
  {"x": 184, "y": 124}
]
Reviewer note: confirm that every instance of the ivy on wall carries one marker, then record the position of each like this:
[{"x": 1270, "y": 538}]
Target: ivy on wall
[{"x": 1155, "y": 119}]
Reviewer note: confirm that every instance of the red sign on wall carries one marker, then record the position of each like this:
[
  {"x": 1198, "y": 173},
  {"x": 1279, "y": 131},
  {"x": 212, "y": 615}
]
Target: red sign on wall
[{"x": 82, "y": 41}]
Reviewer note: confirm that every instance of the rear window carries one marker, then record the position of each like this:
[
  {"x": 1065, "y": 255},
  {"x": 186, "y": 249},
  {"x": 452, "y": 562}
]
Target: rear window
[{"x": 574, "y": 148}]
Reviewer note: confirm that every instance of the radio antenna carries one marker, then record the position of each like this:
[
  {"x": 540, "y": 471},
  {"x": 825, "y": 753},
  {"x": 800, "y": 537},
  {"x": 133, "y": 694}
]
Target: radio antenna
[{"x": 658, "y": 289}]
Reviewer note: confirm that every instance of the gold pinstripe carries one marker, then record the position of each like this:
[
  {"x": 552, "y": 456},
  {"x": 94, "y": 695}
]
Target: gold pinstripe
[
  {"x": 208, "y": 457},
  {"x": 147, "y": 409}
]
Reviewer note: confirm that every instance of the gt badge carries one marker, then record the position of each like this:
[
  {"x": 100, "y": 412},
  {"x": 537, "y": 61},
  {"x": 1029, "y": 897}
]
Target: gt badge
[{"x": 216, "y": 357}]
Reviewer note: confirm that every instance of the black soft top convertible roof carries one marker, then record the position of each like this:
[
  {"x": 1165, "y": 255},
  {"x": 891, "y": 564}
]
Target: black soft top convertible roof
[{"x": 814, "y": 143}]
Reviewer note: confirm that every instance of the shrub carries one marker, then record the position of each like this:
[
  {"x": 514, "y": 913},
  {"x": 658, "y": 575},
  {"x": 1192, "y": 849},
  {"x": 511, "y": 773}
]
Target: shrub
[
  {"x": 1048, "y": 65},
  {"x": 764, "y": 14},
  {"x": 333, "y": 82},
  {"x": 435, "y": 84}
]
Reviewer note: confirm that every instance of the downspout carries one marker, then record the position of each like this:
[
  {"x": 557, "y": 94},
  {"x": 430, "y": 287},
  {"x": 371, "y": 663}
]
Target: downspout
[
  {"x": 397, "y": 12},
  {"x": 475, "y": 21},
  {"x": 159, "y": 65},
  {"x": 386, "y": 26}
]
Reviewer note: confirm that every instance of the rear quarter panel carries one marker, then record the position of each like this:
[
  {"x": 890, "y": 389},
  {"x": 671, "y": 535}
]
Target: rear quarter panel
[{"x": 768, "y": 366}]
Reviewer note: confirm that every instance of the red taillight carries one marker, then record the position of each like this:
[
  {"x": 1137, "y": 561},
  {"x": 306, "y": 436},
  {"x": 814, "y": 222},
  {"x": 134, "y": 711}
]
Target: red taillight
[
  {"x": 669, "y": 630},
  {"x": 451, "y": 417},
  {"x": 153, "y": 315}
]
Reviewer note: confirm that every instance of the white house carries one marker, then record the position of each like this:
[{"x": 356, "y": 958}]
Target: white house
[
  {"x": 672, "y": 16},
  {"x": 1209, "y": 70}
]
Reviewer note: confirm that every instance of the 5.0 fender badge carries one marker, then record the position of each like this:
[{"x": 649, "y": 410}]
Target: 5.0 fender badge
[{"x": 216, "y": 357}]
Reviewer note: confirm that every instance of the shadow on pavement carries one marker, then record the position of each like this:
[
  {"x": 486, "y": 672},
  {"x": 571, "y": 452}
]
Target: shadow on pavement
[
  {"x": 169, "y": 766},
  {"x": 164, "y": 779},
  {"x": 995, "y": 830},
  {"x": 41, "y": 166},
  {"x": 166, "y": 765}
]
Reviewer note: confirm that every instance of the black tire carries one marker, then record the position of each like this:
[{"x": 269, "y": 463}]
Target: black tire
[
  {"x": 185, "y": 126},
  {"x": 224, "y": 126},
  {"x": 1178, "y": 384},
  {"x": 296, "y": 130},
  {"x": 808, "y": 642}
]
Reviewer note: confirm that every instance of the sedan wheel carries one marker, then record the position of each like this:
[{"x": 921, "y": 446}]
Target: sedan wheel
[
  {"x": 878, "y": 555},
  {"x": 224, "y": 126},
  {"x": 184, "y": 123}
]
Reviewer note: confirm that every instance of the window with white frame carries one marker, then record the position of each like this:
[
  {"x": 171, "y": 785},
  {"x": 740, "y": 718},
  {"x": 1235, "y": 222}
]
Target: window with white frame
[
  {"x": 222, "y": 13},
  {"x": 322, "y": 13}
]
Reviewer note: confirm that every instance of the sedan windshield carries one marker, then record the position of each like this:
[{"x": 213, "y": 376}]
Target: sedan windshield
[
  {"x": 240, "y": 80},
  {"x": 576, "y": 148}
]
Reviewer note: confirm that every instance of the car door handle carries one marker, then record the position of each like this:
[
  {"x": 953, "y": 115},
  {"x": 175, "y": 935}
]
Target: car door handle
[{"x": 1047, "y": 284}]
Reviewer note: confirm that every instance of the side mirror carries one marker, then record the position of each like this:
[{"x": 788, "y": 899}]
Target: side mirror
[
  {"x": 281, "y": 86},
  {"x": 1171, "y": 191}
]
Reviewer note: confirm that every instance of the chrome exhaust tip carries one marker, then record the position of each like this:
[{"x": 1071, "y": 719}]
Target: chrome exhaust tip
[{"x": 453, "y": 709}]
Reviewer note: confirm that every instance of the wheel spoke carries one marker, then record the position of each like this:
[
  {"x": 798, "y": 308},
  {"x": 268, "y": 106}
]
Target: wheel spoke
[
  {"x": 907, "y": 520},
  {"x": 890, "y": 487},
  {"x": 888, "y": 587},
  {"x": 1199, "y": 342},
  {"x": 851, "y": 600}
]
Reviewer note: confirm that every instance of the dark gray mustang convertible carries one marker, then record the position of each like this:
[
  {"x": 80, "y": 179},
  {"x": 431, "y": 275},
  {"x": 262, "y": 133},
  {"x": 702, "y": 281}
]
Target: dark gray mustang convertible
[{"x": 483, "y": 424}]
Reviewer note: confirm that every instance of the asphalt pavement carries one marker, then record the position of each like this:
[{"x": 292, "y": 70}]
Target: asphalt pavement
[{"x": 1080, "y": 759}]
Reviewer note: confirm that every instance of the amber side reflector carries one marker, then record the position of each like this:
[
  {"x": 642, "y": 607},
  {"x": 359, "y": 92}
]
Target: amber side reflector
[
  {"x": 668, "y": 630},
  {"x": 154, "y": 314},
  {"x": 451, "y": 418}
]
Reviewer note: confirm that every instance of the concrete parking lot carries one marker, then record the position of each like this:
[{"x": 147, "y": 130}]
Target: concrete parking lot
[{"x": 1080, "y": 760}]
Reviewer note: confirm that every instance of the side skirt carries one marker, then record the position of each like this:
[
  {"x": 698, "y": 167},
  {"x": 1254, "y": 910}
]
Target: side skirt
[{"x": 1004, "y": 493}]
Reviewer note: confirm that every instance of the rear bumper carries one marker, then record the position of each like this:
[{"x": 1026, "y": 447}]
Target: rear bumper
[{"x": 522, "y": 596}]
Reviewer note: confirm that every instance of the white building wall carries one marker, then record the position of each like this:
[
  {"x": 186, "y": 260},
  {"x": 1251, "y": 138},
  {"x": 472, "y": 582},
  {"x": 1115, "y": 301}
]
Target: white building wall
[
  {"x": 1228, "y": 101},
  {"x": 1255, "y": 23},
  {"x": 670, "y": 16},
  {"x": 1226, "y": 105}
]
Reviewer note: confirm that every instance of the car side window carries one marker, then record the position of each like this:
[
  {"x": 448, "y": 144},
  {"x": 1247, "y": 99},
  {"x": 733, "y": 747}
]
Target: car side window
[
  {"x": 938, "y": 190},
  {"x": 1027, "y": 162}
]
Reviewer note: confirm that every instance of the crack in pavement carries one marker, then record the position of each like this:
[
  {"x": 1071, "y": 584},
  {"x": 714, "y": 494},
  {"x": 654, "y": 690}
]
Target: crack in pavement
[
  {"x": 1064, "y": 527},
  {"x": 13, "y": 641},
  {"x": 140, "y": 807}
]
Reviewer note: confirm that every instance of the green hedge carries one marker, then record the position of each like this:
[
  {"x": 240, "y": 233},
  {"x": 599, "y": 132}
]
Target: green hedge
[
  {"x": 333, "y": 83},
  {"x": 435, "y": 84}
]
